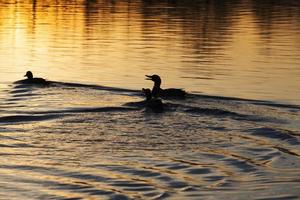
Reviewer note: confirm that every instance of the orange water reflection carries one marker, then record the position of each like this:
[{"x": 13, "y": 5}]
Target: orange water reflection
[{"x": 233, "y": 48}]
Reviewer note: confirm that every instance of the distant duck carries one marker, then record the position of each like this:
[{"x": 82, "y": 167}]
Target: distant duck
[
  {"x": 31, "y": 80},
  {"x": 154, "y": 104},
  {"x": 164, "y": 93}
]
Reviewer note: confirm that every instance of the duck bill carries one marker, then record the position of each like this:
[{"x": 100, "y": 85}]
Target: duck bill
[{"x": 148, "y": 77}]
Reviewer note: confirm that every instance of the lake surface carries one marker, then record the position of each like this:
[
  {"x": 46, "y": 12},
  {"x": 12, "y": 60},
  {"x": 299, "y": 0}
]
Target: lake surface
[
  {"x": 88, "y": 136},
  {"x": 228, "y": 48}
]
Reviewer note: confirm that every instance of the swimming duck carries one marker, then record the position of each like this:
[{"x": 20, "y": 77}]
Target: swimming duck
[
  {"x": 153, "y": 103},
  {"x": 164, "y": 93},
  {"x": 31, "y": 80}
]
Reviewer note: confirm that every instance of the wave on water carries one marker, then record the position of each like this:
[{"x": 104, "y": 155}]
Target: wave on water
[
  {"x": 204, "y": 105},
  {"x": 279, "y": 134},
  {"x": 90, "y": 86},
  {"x": 27, "y": 87},
  {"x": 26, "y": 118},
  {"x": 71, "y": 140}
]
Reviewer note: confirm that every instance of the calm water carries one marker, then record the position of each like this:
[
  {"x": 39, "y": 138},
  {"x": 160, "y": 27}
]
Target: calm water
[
  {"x": 235, "y": 136},
  {"x": 228, "y": 48}
]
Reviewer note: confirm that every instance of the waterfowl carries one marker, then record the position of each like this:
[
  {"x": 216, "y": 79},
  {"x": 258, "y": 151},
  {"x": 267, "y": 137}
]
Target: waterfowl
[
  {"x": 31, "y": 80},
  {"x": 154, "y": 104},
  {"x": 164, "y": 93}
]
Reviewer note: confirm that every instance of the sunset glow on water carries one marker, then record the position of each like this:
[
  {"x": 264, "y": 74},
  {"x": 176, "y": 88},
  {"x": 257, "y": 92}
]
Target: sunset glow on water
[
  {"x": 228, "y": 49},
  {"x": 90, "y": 135}
]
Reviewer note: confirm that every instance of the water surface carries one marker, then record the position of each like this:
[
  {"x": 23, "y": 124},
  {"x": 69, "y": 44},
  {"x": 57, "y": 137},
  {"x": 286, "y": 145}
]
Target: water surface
[
  {"x": 235, "y": 136},
  {"x": 234, "y": 48}
]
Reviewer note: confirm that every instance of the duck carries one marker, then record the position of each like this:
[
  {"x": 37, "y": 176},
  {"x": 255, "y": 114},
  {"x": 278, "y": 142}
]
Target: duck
[
  {"x": 164, "y": 93},
  {"x": 155, "y": 104},
  {"x": 31, "y": 80},
  {"x": 150, "y": 103}
]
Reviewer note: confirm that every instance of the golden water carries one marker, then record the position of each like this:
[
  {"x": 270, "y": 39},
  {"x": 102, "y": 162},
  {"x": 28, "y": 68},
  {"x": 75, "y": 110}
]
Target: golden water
[
  {"x": 91, "y": 140},
  {"x": 244, "y": 49}
]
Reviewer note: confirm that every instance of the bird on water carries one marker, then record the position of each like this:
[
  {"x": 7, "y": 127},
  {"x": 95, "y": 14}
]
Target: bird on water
[
  {"x": 154, "y": 104},
  {"x": 31, "y": 80},
  {"x": 164, "y": 93}
]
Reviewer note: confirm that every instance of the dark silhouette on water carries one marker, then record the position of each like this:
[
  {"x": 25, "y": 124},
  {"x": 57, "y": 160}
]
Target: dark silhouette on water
[
  {"x": 31, "y": 80},
  {"x": 150, "y": 103},
  {"x": 164, "y": 93},
  {"x": 154, "y": 104}
]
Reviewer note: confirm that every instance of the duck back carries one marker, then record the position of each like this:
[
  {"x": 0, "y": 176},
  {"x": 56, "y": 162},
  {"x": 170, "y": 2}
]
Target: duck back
[
  {"x": 33, "y": 81},
  {"x": 173, "y": 93}
]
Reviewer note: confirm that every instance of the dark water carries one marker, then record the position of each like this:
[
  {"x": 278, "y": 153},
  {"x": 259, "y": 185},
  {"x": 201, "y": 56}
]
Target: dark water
[
  {"x": 101, "y": 145},
  {"x": 235, "y": 136}
]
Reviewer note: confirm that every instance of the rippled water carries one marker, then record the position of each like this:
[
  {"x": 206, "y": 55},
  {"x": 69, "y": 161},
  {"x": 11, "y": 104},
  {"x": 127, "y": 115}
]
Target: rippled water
[
  {"x": 246, "y": 49},
  {"x": 235, "y": 136}
]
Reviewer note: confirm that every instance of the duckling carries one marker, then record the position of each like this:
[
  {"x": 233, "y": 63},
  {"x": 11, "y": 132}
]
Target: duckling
[
  {"x": 31, "y": 80},
  {"x": 154, "y": 104},
  {"x": 164, "y": 93}
]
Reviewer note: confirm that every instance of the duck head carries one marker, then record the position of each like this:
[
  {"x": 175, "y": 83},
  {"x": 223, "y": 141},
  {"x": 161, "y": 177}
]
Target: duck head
[
  {"x": 29, "y": 75},
  {"x": 147, "y": 93},
  {"x": 155, "y": 78}
]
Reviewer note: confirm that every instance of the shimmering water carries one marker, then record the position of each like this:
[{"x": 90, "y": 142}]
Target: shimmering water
[
  {"x": 235, "y": 48},
  {"x": 235, "y": 136}
]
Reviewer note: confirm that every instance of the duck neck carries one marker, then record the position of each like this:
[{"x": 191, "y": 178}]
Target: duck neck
[{"x": 156, "y": 89}]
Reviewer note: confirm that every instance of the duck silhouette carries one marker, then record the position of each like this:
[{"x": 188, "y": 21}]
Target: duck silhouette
[
  {"x": 154, "y": 104},
  {"x": 164, "y": 93},
  {"x": 150, "y": 103},
  {"x": 31, "y": 80}
]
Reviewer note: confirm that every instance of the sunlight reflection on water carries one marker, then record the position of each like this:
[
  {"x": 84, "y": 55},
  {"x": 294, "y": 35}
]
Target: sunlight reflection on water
[
  {"x": 242, "y": 49},
  {"x": 82, "y": 141}
]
